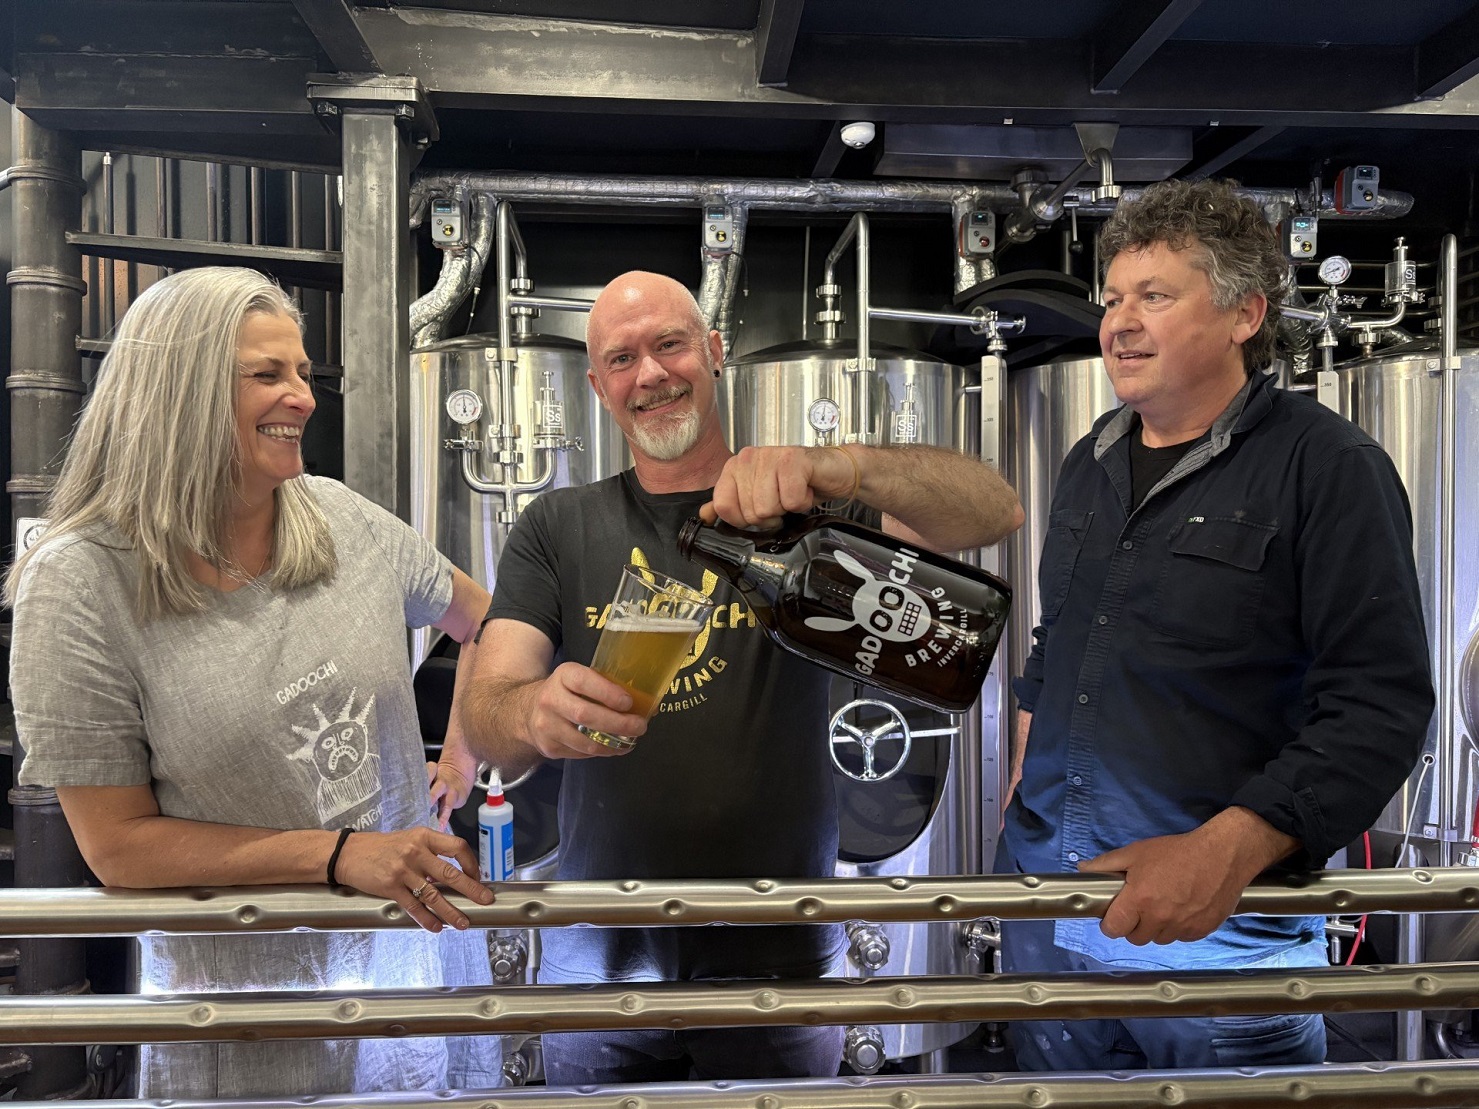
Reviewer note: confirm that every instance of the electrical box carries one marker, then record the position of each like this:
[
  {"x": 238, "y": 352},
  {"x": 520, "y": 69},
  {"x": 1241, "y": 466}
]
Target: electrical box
[
  {"x": 447, "y": 222},
  {"x": 978, "y": 234},
  {"x": 1300, "y": 233},
  {"x": 718, "y": 228},
  {"x": 1357, "y": 189}
]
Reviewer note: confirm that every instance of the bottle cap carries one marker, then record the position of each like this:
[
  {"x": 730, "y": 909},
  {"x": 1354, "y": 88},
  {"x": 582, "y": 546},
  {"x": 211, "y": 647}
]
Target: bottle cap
[{"x": 495, "y": 787}]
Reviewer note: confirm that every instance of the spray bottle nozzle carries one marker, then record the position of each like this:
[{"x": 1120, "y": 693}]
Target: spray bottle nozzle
[{"x": 495, "y": 787}]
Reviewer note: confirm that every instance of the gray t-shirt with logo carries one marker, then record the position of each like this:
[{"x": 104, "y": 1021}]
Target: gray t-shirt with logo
[{"x": 271, "y": 709}]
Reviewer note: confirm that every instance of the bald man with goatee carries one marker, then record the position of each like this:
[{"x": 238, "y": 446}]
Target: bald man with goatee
[{"x": 731, "y": 779}]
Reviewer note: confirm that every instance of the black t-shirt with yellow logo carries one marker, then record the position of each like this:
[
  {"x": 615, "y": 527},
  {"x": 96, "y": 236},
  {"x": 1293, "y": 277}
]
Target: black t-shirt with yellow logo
[{"x": 731, "y": 779}]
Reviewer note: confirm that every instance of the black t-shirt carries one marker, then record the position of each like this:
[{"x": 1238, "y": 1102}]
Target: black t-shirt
[
  {"x": 731, "y": 779},
  {"x": 1149, "y": 464}
]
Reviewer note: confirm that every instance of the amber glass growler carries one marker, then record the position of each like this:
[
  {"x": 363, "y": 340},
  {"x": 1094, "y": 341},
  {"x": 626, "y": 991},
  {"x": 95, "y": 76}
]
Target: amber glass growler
[{"x": 863, "y": 604}]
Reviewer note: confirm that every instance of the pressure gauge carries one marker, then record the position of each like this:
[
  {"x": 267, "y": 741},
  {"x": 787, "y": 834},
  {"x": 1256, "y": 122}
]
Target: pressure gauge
[
  {"x": 824, "y": 415},
  {"x": 1335, "y": 270},
  {"x": 464, "y": 406}
]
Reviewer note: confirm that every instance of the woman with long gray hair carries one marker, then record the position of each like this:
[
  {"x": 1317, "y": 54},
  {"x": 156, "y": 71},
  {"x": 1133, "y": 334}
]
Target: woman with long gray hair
[{"x": 209, "y": 665}]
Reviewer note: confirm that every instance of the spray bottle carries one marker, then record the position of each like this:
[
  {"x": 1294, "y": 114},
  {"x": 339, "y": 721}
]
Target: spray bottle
[{"x": 495, "y": 833}]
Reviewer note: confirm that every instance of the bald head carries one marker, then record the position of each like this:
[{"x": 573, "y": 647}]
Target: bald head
[{"x": 640, "y": 292}]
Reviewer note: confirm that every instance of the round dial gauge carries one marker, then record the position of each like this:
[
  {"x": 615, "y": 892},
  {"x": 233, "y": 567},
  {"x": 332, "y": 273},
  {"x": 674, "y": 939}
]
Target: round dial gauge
[
  {"x": 1335, "y": 270},
  {"x": 823, "y": 415},
  {"x": 464, "y": 406}
]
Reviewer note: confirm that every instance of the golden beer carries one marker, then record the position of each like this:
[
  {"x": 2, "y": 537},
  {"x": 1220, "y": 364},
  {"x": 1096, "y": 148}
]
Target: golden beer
[
  {"x": 654, "y": 621},
  {"x": 642, "y": 654}
]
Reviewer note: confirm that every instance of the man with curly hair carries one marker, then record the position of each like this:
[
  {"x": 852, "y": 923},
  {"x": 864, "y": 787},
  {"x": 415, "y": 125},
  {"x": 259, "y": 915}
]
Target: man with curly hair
[{"x": 1231, "y": 669}]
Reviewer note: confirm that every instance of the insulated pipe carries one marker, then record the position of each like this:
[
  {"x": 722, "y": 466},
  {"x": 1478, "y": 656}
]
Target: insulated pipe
[
  {"x": 794, "y": 195},
  {"x": 719, "y": 285},
  {"x": 969, "y": 271},
  {"x": 672, "y": 902},
  {"x": 462, "y": 268},
  {"x": 1327, "y": 1086},
  {"x": 46, "y": 391}
]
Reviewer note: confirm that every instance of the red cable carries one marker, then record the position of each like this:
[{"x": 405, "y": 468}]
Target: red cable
[{"x": 1361, "y": 927}]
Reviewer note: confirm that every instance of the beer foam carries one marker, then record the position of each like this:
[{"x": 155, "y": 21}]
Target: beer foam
[{"x": 663, "y": 624}]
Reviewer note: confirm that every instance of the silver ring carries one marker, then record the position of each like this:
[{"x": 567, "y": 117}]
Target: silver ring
[{"x": 419, "y": 890}]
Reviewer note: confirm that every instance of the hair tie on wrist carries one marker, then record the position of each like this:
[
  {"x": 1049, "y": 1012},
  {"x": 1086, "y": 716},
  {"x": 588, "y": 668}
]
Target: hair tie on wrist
[
  {"x": 334, "y": 858},
  {"x": 857, "y": 475}
]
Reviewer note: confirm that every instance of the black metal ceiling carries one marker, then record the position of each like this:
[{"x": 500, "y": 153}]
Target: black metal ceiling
[{"x": 1267, "y": 90}]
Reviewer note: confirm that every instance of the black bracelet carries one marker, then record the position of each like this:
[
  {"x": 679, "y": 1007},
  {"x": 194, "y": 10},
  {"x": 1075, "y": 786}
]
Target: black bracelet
[{"x": 334, "y": 858}]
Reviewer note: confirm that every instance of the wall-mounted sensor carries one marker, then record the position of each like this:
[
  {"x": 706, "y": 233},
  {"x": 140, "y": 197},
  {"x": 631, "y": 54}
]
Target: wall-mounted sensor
[{"x": 857, "y": 135}]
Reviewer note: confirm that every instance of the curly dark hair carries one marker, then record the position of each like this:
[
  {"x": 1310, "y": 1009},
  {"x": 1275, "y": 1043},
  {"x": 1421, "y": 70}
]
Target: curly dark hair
[{"x": 1230, "y": 238}]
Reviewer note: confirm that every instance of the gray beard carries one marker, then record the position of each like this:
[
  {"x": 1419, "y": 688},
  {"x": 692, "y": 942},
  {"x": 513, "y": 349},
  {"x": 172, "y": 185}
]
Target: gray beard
[{"x": 675, "y": 438}]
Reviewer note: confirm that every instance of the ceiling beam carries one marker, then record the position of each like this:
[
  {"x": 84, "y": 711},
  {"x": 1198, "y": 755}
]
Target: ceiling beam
[
  {"x": 1128, "y": 38},
  {"x": 1232, "y": 152},
  {"x": 333, "y": 25},
  {"x": 586, "y": 67},
  {"x": 163, "y": 95},
  {"x": 775, "y": 39},
  {"x": 1449, "y": 57}
]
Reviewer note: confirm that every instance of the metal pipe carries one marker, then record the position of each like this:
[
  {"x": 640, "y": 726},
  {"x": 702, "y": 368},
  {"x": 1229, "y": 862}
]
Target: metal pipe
[
  {"x": 1358, "y": 323},
  {"x": 45, "y": 384},
  {"x": 865, "y": 317},
  {"x": 856, "y": 229},
  {"x": 525, "y": 1010},
  {"x": 161, "y": 199},
  {"x": 333, "y": 337},
  {"x": 797, "y": 195},
  {"x": 295, "y": 208},
  {"x": 651, "y": 903},
  {"x": 213, "y": 201},
  {"x": 1308, "y": 315},
  {"x": 254, "y": 203},
  {"x": 1331, "y": 1086},
  {"x": 558, "y": 304},
  {"x": 1006, "y": 324},
  {"x": 1023, "y": 222},
  {"x": 107, "y": 307},
  {"x": 480, "y": 484}
]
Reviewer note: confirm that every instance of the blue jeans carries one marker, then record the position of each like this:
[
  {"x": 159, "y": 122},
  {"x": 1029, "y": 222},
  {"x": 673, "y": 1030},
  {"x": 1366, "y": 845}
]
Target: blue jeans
[
  {"x": 1134, "y": 1043},
  {"x": 704, "y": 1054}
]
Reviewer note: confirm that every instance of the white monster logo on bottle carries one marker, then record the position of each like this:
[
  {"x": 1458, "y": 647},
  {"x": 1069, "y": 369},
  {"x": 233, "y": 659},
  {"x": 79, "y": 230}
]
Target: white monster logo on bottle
[{"x": 888, "y": 610}]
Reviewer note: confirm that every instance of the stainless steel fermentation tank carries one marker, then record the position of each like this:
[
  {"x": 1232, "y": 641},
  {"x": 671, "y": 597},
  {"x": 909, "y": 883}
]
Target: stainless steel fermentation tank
[
  {"x": 1049, "y": 408},
  {"x": 1395, "y": 398},
  {"x": 468, "y": 526},
  {"x": 911, "y": 823}
]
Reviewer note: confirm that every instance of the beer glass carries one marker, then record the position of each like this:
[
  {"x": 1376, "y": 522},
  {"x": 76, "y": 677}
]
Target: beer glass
[{"x": 652, "y": 623}]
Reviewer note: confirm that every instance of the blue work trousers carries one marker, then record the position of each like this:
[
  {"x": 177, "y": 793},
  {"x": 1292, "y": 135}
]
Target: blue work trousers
[{"x": 1132, "y": 1043}]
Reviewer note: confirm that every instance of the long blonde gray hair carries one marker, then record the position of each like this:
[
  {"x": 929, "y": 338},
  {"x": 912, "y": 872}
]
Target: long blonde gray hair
[{"x": 155, "y": 455}]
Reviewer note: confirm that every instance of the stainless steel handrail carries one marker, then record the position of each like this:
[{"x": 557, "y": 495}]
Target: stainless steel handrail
[
  {"x": 1335, "y": 1086},
  {"x": 111, "y": 912},
  {"x": 685, "y": 1005}
]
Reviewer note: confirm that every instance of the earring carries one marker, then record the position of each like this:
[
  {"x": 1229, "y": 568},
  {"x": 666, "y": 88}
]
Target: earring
[{"x": 716, "y": 373}]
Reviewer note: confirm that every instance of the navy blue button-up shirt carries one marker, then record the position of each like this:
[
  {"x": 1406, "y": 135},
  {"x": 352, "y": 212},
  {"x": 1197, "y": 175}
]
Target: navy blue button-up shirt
[{"x": 1251, "y": 635}]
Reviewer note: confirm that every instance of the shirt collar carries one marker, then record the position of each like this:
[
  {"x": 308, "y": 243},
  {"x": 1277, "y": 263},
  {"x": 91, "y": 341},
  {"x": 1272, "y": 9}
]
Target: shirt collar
[{"x": 1250, "y": 405}]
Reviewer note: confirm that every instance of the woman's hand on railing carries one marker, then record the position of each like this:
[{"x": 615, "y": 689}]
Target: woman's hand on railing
[{"x": 407, "y": 867}]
